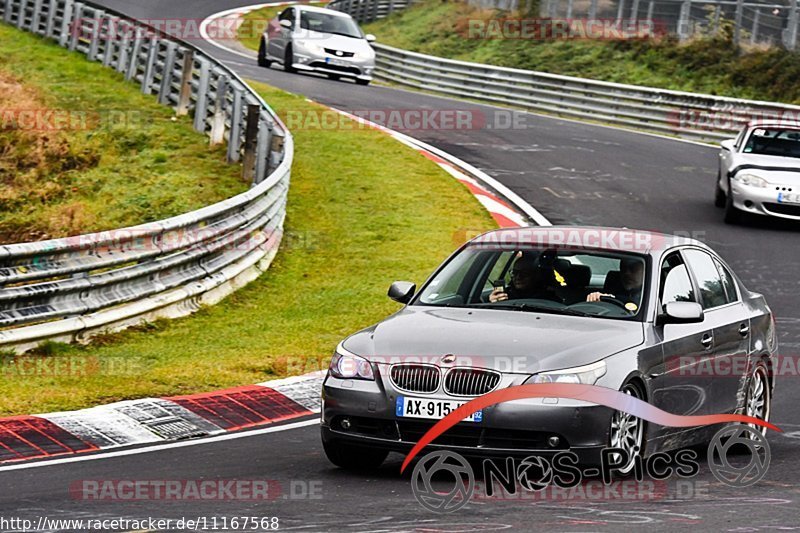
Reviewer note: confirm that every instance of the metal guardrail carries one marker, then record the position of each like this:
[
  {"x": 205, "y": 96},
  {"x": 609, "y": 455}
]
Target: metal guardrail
[
  {"x": 687, "y": 115},
  {"x": 68, "y": 289},
  {"x": 369, "y": 10}
]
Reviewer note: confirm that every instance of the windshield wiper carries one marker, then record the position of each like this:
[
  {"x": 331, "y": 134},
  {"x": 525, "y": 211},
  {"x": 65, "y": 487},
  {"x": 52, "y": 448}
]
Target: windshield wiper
[{"x": 538, "y": 309}]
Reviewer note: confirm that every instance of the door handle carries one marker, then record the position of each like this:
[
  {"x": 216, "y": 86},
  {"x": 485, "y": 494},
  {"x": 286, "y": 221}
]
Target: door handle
[
  {"x": 744, "y": 330},
  {"x": 707, "y": 341}
]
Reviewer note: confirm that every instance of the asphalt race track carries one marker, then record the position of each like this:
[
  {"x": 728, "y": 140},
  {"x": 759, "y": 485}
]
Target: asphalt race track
[{"x": 574, "y": 174}]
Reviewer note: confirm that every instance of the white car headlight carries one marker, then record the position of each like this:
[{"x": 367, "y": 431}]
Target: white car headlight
[
  {"x": 588, "y": 375},
  {"x": 347, "y": 365},
  {"x": 364, "y": 55},
  {"x": 752, "y": 180}
]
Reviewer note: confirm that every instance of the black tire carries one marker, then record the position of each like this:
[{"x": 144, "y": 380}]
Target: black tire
[
  {"x": 758, "y": 401},
  {"x": 334, "y": 77},
  {"x": 732, "y": 215},
  {"x": 288, "y": 59},
  {"x": 353, "y": 457},
  {"x": 640, "y": 429},
  {"x": 719, "y": 197},
  {"x": 262, "y": 55},
  {"x": 362, "y": 82}
]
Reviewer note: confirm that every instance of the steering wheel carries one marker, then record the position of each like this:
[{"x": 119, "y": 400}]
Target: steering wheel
[{"x": 612, "y": 300}]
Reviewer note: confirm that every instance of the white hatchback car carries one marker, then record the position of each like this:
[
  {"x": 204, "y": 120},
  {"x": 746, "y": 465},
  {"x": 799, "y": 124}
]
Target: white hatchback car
[
  {"x": 759, "y": 172},
  {"x": 314, "y": 39}
]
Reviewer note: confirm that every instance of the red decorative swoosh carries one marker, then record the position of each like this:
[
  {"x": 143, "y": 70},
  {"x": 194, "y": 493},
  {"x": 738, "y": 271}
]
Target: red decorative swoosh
[{"x": 588, "y": 393}]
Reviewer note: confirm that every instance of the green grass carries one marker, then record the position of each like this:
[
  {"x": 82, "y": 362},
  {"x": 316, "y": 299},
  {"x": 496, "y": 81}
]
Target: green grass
[
  {"x": 707, "y": 65},
  {"x": 255, "y": 23},
  {"x": 123, "y": 159},
  {"x": 363, "y": 210}
]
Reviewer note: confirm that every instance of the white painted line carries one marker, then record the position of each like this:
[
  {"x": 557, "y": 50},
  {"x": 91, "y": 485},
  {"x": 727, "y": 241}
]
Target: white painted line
[{"x": 161, "y": 447}]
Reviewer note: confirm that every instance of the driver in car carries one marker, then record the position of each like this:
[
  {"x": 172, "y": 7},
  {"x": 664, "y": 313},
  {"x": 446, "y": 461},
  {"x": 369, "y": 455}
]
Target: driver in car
[
  {"x": 527, "y": 281},
  {"x": 630, "y": 283}
]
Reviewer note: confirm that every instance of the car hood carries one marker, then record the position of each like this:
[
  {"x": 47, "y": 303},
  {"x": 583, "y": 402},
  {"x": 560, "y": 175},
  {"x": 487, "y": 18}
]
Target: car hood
[
  {"x": 769, "y": 166},
  {"x": 336, "y": 42},
  {"x": 508, "y": 341}
]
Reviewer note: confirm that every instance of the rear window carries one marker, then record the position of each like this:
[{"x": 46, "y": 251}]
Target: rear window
[{"x": 781, "y": 142}]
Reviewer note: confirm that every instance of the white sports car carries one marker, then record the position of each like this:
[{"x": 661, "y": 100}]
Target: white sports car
[{"x": 759, "y": 172}]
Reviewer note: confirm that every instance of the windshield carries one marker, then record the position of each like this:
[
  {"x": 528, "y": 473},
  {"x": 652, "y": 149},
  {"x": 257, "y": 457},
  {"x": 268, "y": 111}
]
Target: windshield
[
  {"x": 774, "y": 141},
  {"x": 324, "y": 23},
  {"x": 570, "y": 282}
]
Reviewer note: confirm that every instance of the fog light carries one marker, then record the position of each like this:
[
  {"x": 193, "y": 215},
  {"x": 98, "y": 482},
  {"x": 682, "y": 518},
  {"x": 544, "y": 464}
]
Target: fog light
[
  {"x": 346, "y": 424},
  {"x": 748, "y": 204},
  {"x": 553, "y": 441}
]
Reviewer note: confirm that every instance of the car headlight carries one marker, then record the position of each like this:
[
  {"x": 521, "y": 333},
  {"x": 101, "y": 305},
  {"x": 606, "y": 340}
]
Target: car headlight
[
  {"x": 347, "y": 365},
  {"x": 364, "y": 55},
  {"x": 752, "y": 180},
  {"x": 311, "y": 46},
  {"x": 588, "y": 375}
]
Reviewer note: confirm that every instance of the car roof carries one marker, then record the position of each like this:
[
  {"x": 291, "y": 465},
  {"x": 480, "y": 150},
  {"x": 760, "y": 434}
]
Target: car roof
[
  {"x": 587, "y": 238},
  {"x": 316, "y": 9},
  {"x": 775, "y": 123}
]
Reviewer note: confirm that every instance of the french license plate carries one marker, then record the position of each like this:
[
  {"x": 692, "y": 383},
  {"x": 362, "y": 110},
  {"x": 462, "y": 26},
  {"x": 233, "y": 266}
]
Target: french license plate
[
  {"x": 790, "y": 198},
  {"x": 408, "y": 407}
]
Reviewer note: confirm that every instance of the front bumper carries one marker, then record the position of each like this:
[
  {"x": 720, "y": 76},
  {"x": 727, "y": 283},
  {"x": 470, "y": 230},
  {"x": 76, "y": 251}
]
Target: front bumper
[
  {"x": 518, "y": 428},
  {"x": 763, "y": 201},
  {"x": 350, "y": 67}
]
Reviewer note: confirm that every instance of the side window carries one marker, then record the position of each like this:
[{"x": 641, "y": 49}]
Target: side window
[
  {"x": 500, "y": 270},
  {"x": 708, "y": 279},
  {"x": 676, "y": 285},
  {"x": 728, "y": 285}
]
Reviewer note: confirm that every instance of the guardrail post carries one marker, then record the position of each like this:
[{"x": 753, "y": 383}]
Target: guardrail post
[
  {"x": 717, "y": 15},
  {"x": 620, "y": 11},
  {"x": 262, "y": 146},
  {"x": 94, "y": 42},
  {"x": 684, "y": 20},
  {"x": 201, "y": 104},
  {"x": 374, "y": 15},
  {"x": 791, "y": 43},
  {"x": 635, "y": 11},
  {"x": 51, "y": 19},
  {"x": 23, "y": 5},
  {"x": 235, "y": 133},
  {"x": 737, "y": 23},
  {"x": 593, "y": 10},
  {"x": 650, "y": 7},
  {"x": 75, "y": 27},
  {"x": 36, "y": 17},
  {"x": 554, "y": 9},
  {"x": 250, "y": 139},
  {"x": 166, "y": 74},
  {"x": 111, "y": 42},
  {"x": 570, "y": 7},
  {"x": 149, "y": 67},
  {"x": 218, "y": 122},
  {"x": 136, "y": 53},
  {"x": 124, "y": 46},
  {"x": 754, "y": 34},
  {"x": 391, "y": 7},
  {"x": 66, "y": 23},
  {"x": 185, "y": 94},
  {"x": 276, "y": 151},
  {"x": 7, "y": 11}
]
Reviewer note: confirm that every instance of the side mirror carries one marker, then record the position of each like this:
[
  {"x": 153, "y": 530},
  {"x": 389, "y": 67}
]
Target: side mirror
[
  {"x": 728, "y": 144},
  {"x": 370, "y": 38},
  {"x": 286, "y": 23},
  {"x": 402, "y": 291},
  {"x": 682, "y": 313}
]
